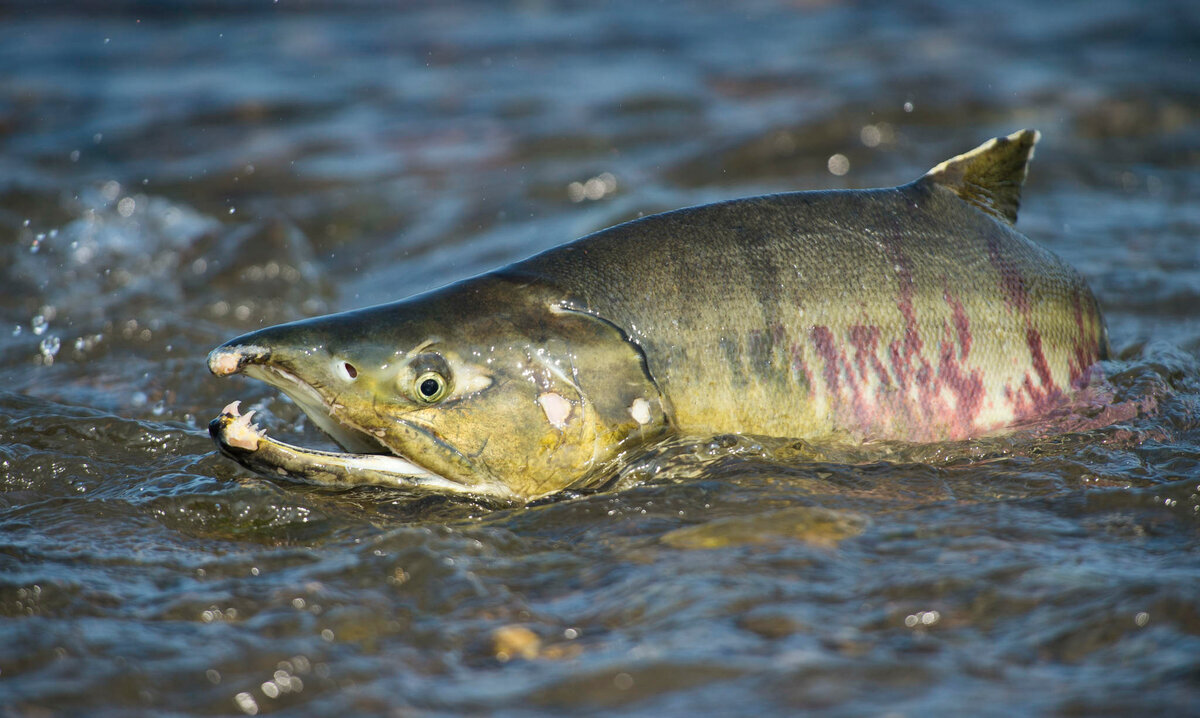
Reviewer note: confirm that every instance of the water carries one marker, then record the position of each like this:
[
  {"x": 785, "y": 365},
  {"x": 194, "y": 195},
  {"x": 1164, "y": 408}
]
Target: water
[{"x": 174, "y": 174}]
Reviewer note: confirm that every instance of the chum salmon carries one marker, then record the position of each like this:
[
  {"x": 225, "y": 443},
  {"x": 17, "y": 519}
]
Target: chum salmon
[{"x": 915, "y": 313}]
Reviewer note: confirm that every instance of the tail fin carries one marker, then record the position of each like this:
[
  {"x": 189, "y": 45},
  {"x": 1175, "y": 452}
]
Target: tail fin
[{"x": 990, "y": 176}]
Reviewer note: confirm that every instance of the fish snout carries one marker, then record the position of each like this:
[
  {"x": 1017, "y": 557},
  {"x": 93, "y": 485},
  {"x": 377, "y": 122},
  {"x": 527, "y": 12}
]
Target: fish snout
[{"x": 231, "y": 358}]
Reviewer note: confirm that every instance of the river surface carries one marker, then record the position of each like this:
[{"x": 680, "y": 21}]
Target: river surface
[{"x": 173, "y": 174}]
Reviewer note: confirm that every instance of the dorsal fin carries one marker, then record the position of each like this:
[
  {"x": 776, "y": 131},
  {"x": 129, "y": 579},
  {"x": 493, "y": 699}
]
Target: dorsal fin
[{"x": 990, "y": 176}]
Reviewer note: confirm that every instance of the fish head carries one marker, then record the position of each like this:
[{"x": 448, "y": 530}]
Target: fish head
[{"x": 489, "y": 387}]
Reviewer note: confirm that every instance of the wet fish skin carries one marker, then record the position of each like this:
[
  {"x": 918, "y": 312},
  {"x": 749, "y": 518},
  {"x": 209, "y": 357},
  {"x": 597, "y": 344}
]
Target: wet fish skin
[
  {"x": 541, "y": 396},
  {"x": 900, "y": 313},
  {"x": 914, "y": 313}
]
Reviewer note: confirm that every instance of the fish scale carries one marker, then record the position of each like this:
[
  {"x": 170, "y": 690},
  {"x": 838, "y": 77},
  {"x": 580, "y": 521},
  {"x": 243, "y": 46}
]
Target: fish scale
[
  {"x": 916, "y": 313},
  {"x": 942, "y": 322}
]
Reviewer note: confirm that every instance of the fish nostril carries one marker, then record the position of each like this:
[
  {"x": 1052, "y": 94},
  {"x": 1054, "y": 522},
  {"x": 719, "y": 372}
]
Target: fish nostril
[{"x": 350, "y": 370}]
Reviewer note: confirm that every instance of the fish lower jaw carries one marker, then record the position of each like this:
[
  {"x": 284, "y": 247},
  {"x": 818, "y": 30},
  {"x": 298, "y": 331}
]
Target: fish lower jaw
[{"x": 245, "y": 442}]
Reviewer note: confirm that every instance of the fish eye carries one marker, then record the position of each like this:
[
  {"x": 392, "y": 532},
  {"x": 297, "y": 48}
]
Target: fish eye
[{"x": 431, "y": 387}]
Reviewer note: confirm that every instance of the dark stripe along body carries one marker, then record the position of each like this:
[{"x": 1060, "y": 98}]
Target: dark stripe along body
[{"x": 909, "y": 313}]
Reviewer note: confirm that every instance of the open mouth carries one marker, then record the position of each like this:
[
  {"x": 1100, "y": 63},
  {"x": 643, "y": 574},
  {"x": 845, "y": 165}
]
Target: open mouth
[
  {"x": 245, "y": 442},
  {"x": 366, "y": 461}
]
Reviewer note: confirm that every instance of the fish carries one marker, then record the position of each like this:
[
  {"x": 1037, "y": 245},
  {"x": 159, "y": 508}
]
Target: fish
[{"x": 916, "y": 313}]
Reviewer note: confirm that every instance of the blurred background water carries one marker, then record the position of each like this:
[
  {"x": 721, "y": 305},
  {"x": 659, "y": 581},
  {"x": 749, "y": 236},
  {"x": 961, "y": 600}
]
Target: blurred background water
[{"x": 175, "y": 173}]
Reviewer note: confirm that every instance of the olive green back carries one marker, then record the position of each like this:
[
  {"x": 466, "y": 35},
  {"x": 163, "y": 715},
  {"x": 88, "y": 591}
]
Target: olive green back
[{"x": 903, "y": 313}]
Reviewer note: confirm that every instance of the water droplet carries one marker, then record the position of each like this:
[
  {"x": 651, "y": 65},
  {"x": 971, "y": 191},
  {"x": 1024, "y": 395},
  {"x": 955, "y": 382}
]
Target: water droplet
[
  {"x": 49, "y": 348},
  {"x": 246, "y": 703},
  {"x": 575, "y": 192},
  {"x": 908, "y": 107},
  {"x": 593, "y": 189},
  {"x": 39, "y": 324},
  {"x": 871, "y": 136},
  {"x": 838, "y": 164}
]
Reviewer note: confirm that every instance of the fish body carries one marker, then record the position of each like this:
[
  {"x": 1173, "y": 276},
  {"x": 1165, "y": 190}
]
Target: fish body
[{"x": 913, "y": 313}]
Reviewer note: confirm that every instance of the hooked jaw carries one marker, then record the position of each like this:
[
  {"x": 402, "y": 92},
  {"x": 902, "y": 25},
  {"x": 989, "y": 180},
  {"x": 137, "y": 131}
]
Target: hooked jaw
[
  {"x": 366, "y": 461},
  {"x": 226, "y": 360}
]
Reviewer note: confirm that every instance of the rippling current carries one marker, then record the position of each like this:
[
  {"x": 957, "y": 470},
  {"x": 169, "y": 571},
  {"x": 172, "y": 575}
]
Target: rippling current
[{"x": 173, "y": 174}]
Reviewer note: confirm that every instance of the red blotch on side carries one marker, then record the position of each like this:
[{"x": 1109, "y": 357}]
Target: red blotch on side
[
  {"x": 962, "y": 325},
  {"x": 1032, "y": 398},
  {"x": 967, "y": 387},
  {"x": 1012, "y": 282},
  {"x": 838, "y": 370},
  {"x": 865, "y": 340},
  {"x": 799, "y": 366},
  {"x": 822, "y": 340},
  {"x": 1034, "y": 338},
  {"x": 1083, "y": 366}
]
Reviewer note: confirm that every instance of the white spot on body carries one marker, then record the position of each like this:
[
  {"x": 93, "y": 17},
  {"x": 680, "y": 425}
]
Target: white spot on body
[
  {"x": 557, "y": 409},
  {"x": 640, "y": 411}
]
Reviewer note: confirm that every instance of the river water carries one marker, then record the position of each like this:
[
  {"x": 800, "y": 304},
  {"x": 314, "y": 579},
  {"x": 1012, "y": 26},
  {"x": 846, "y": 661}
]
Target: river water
[{"x": 173, "y": 174}]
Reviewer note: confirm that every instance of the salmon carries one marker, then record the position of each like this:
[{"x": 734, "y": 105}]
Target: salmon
[{"x": 914, "y": 313}]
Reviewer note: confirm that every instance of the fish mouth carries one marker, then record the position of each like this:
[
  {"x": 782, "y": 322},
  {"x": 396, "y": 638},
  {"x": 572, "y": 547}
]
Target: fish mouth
[{"x": 366, "y": 461}]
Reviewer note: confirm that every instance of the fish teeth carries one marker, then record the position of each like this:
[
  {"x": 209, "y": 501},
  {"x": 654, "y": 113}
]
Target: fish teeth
[
  {"x": 241, "y": 433},
  {"x": 232, "y": 408}
]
